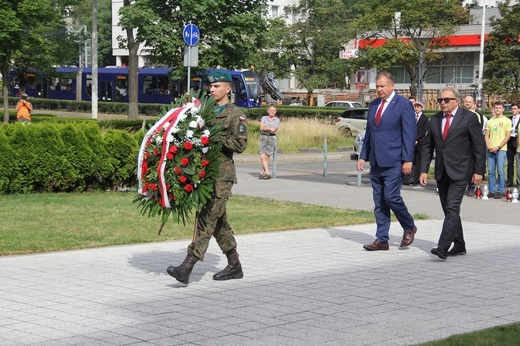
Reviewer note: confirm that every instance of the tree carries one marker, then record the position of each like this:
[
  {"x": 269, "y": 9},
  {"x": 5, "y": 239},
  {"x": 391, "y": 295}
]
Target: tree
[
  {"x": 82, "y": 15},
  {"x": 398, "y": 21},
  {"x": 229, "y": 33},
  {"x": 502, "y": 54},
  {"x": 316, "y": 42},
  {"x": 31, "y": 38}
]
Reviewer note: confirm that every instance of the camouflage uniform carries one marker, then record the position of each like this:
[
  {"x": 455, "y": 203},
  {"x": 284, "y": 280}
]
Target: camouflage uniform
[{"x": 212, "y": 219}]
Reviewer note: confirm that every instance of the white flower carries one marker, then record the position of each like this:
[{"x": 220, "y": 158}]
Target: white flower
[
  {"x": 165, "y": 126},
  {"x": 158, "y": 139},
  {"x": 189, "y": 133},
  {"x": 175, "y": 129},
  {"x": 205, "y": 132},
  {"x": 193, "y": 124},
  {"x": 189, "y": 105},
  {"x": 205, "y": 149},
  {"x": 200, "y": 122},
  {"x": 169, "y": 138},
  {"x": 181, "y": 117}
]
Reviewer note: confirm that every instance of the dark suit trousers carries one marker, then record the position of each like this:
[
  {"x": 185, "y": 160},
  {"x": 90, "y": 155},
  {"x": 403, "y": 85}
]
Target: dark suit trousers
[
  {"x": 386, "y": 187},
  {"x": 511, "y": 151},
  {"x": 451, "y": 193}
]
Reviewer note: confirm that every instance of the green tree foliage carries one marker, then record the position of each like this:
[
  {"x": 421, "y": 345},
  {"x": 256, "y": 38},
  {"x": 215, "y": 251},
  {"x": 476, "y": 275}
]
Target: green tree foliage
[
  {"x": 421, "y": 18},
  {"x": 32, "y": 36},
  {"x": 316, "y": 42},
  {"x": 502, "y": 54},
  {"x": 229, "y": 33},
  {"x": 82, "y": 15}
]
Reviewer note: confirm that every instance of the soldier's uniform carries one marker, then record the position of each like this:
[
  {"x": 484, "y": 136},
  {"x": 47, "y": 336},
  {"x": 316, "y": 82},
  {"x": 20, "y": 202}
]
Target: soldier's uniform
[{"x": 212, "y": 219}]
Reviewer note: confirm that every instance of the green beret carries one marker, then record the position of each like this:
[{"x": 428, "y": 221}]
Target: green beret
[{"x": 219, "y": 76}]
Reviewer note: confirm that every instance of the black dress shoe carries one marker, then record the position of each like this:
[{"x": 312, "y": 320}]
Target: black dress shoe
[
  {"x": 456, "y": 252},
  {"x": 440, "y": 252}
]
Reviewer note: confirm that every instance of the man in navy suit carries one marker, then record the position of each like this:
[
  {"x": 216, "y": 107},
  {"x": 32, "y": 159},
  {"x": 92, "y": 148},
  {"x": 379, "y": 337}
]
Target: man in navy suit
[
  {"x": 389, "y": 147},
  {"x": 460, "y": 149}
]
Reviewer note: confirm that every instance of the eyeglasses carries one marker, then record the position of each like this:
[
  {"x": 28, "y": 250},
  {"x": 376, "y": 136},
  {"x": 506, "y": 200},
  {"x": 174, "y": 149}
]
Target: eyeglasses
[{"x": 446, "y": 99}]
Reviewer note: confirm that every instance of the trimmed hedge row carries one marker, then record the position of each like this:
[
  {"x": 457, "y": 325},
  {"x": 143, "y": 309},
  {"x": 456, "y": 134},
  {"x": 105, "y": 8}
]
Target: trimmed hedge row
[
  {"x": 72, "y": 157},
  {"x": 148, "y": 109}
]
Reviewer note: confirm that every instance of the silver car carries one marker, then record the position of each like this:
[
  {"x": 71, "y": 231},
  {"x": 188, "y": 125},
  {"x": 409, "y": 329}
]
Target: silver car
[{"x": 352, "y": 121}]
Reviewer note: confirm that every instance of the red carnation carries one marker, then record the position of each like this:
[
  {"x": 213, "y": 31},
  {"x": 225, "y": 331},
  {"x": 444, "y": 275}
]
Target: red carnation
[
  {"x": 154, "y": 187},
  {"x": 173, "y": 149},
  {"x": 146, "y": 155},
  {"x": 188, "y": 188},
  {"x": 177, "y": 170},
  {"x": 171, "y": 197},
  {"x": 169, "y": 156},
  {"x": 204, "y": 140},
  {"x": 188, "y": 146},
  {"x": 202, "y": 174},
  {"x": 185, "y": 161},
  {"x": 156, "y": 151},
  {"x": 183, "y": 179},
  {"x": 144, "y": 167},
  {"x": 204, "y": 163}
]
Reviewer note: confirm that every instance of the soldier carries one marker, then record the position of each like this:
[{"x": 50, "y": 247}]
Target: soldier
[{"x": 212, "y": 219}]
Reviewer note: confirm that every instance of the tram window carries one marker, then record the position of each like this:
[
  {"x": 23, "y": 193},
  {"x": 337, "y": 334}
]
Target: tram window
[
  {"x": 156, "y": 85},
  {"x": 121, "y": 89}
]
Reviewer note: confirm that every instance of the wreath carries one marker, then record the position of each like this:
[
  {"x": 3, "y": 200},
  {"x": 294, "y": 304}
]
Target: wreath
[{"x": 179, "y": 161}]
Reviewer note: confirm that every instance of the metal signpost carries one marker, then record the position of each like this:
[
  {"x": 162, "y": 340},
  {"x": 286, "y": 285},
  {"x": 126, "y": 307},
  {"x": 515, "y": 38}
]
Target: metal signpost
[{"x": 191, "y": 35}]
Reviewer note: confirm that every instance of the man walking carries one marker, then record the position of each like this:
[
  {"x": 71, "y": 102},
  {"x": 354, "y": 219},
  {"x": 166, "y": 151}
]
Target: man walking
[
  {"x": 212, "y": 219},
  {"x": 456, "y": 137},
  {"x": 389, "y": 146}
]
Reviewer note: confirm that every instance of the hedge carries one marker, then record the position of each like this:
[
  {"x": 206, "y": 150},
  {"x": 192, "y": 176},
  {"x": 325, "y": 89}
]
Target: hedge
[{"x": 71, "y": 157}]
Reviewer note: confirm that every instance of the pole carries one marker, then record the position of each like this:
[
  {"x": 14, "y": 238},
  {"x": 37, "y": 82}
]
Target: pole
[
  {"x": 189, "y": 72},
  {"x": 94, "y": 61},
  {"x": 275, "y": 154},
  {"x": 325, "y": 155},
  {"x": 421, "y": 62},
  {"x": 481, "y": 58}
]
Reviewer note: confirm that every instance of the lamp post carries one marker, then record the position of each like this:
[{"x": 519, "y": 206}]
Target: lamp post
[
  {"x": 421, "y": 44},
  {"x": 480, "y": 104}
]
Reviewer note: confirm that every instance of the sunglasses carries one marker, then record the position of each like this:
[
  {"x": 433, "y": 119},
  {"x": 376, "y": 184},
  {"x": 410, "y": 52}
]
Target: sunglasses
[{"x": 446, "y": 99}]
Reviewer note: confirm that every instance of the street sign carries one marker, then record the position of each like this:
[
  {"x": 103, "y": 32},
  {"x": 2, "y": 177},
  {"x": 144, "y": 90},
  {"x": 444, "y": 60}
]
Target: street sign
[{"x": 191, "y": 34}]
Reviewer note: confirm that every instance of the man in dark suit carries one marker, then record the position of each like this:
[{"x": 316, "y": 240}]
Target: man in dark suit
[
  {"x": 423, "y": 126},
  {"x": 389, "y": 146},
  {"x": 456, "y": 137},
  {"x": 511, "y": 147}
]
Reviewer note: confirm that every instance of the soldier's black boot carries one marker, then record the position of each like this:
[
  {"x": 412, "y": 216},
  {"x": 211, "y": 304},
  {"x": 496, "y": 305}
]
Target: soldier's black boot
[
  {"x": 233, "y": 270},
  {"x": 182, "y": 272}
]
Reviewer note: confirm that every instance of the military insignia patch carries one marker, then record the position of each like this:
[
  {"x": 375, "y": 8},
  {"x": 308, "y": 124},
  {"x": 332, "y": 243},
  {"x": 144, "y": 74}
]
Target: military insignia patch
[{"x": 241, "y": 128}]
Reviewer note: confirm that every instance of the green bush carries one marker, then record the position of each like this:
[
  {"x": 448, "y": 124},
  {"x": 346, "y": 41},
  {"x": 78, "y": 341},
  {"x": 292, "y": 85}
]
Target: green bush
[{"x": 52, "y": 157}]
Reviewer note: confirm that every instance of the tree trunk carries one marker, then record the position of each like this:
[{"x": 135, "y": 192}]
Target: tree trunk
[
  {"x": 5, "y": 73},
  {"x": 133, "y": 68}
]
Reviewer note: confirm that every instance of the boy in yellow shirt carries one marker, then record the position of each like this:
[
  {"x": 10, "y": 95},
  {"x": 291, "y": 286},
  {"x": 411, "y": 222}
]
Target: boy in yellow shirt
[{"x": 498, "y": 131}]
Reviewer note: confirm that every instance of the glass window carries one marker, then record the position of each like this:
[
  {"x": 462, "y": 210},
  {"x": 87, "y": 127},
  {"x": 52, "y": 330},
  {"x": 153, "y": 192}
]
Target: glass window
[{"x": 274, "y": 11}]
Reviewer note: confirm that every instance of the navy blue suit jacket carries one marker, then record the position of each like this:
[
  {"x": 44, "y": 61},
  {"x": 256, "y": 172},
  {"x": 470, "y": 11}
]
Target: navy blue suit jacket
[{"x": 393, "y": 141}]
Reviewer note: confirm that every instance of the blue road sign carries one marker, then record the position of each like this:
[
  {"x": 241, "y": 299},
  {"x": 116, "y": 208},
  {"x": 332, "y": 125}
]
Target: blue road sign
[{"x": 191, "y": 34}]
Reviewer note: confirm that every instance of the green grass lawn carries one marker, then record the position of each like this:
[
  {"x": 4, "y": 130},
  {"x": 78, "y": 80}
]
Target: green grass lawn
[
  {"x": 64, "y": 221},
  {"x": 51, "y": 222}
]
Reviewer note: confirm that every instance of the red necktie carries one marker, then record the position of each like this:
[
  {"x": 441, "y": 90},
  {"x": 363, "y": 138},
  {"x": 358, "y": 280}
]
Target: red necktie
[
  {"x": 379, "y": 112},
  {"x": 446, "y": 127}
]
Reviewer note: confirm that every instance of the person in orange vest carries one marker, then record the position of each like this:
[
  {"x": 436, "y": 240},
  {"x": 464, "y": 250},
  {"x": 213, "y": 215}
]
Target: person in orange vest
[{"x": 24, "y": 109}]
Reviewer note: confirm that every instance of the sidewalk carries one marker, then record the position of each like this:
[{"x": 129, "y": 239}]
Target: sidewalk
[{"x": 301, "y": 287}]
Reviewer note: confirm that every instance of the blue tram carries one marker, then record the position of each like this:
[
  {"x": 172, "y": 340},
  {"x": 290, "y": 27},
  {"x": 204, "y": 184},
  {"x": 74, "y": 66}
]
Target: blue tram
[{"x": 155, "y": 85}]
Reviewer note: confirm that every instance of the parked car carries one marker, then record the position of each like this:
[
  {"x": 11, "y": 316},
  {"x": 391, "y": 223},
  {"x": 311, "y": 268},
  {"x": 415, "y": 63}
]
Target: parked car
[
  {"x": 352, "y": 121},
  {"x": 344, "y": 104},
  {"x": 358, "y": 144}
]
